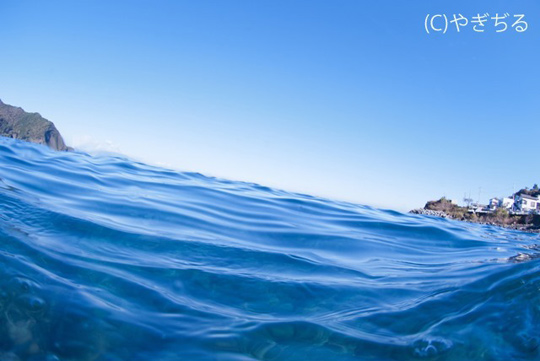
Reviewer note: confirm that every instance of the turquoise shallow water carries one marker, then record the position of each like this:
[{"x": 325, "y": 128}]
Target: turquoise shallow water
[{"x": 104, "y": 258}]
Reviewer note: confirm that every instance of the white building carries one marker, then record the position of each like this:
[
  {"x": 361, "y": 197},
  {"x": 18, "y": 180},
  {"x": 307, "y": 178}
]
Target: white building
[
  {"x": 507, "y": 203},
  {"x": 494, "y": 203},
  {"x": 527, "y": 204}
]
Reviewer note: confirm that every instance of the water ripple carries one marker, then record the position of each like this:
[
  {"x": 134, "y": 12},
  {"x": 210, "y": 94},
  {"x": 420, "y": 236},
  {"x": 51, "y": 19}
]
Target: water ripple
[{"x": 104, "y": 258}]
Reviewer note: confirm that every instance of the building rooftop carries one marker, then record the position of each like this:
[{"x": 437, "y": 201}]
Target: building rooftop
[{"x": 526, "y": 196}]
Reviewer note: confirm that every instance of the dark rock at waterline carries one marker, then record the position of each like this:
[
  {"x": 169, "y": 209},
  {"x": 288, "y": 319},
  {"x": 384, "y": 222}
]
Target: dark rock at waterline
[{"x": 30, "y": 127}]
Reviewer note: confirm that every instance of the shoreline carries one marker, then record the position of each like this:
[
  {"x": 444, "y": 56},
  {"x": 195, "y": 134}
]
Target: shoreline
[{"x": 523, "y": 227}]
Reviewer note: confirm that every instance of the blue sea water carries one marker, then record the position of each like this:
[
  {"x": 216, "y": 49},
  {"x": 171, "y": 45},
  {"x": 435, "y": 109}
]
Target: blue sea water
[{"x": 105, "y": 258}]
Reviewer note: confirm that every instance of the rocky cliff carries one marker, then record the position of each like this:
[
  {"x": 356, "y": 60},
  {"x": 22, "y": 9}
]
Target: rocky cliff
[{"x": 31, "y": 127}]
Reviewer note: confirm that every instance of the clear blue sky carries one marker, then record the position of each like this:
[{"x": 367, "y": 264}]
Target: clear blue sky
[{"x": 345, "y": 99}]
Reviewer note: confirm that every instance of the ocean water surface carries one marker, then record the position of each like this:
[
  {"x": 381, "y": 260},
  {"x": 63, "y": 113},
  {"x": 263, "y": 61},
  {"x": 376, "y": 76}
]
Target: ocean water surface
[{"x": 103, "y": 258}]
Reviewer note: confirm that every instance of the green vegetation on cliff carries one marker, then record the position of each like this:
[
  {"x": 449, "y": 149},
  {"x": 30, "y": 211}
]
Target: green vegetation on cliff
[{"x": 30, "y": 127}]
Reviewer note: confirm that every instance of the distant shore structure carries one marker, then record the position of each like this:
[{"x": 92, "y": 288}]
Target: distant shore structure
[
  {"x": 520, "y": 210},
  {"x": 30, "y": 127}
]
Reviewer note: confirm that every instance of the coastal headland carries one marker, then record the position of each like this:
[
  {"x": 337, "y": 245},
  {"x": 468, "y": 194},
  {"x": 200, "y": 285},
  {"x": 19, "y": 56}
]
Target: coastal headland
[
  {"x": 518, "y": 212},
  {"x": 30, "y": 127}
]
